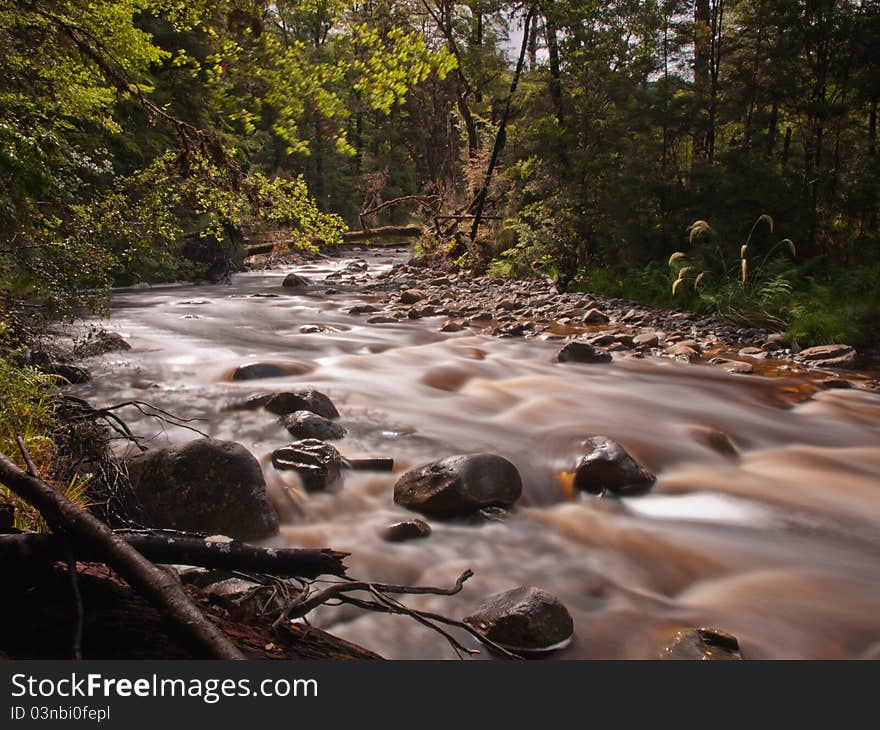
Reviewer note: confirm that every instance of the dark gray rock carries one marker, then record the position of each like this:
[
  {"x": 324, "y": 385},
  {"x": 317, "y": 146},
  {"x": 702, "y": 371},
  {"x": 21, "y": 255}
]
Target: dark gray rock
[
  {"x": 524, "y": 620},
  {"x": 295, "y": 281},
  {"x": 702, "y": 644},
  {"x": 301, "y": 400},
  {"x": 260, "y": 370},
  {"x": 459, "y": 485},
  {"x": 607, "y": 466},
  {"x": 582, "y": 352},
  {"x": 308, "y": 425},
  {"x": 205, "y": 485},
  {"x": 319, "y": 465},
  {"x": 405, "y": 530}
]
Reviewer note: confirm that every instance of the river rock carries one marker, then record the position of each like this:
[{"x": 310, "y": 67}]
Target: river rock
[
  {"x": 524, "y": 619},
  {"x": 582, "y": 352},
  {"x": 405, "y": 530},
  {"x": 301, "y": 400},
  {"x": 100, "y": 343},
  {"x": 411, "y": 296},
  {"x": 607, "y": 466},
  {"x": 827, "y": 356},
  {"x": 319, "y": 465},
  {"x": 459, "y": 485},
  {"x": 260, "y": 370},
  {"x": 683, "y": 351},
  {"x": 732, "y": 366},
  {"x": 452, "y": 327},
  {"x": 595, "y": 316},
  {"x": 308, "y": 425},
  {"x": 295, "y": 281},
  {"x": 206, "y": 485},
  {"x": 647, "y": 339},
  {"x": 702, "y": 644}
]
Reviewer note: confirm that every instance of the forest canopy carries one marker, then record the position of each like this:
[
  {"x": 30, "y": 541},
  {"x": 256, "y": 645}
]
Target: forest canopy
[{"x": 144, "y": 140}]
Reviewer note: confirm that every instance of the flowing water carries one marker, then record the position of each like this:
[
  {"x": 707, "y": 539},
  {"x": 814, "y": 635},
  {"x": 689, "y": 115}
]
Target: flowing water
[{"x": 780, "y": 548}]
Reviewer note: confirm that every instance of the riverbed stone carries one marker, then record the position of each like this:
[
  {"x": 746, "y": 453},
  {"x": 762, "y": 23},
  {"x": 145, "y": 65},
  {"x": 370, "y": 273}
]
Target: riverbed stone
[
  {"x": 524, "y": 620},
  {"x": 411, "y": 296},
  {"x": 318, "y": 464},
  {"x": 702, "y": 644},
  {"x": 295, "y": 281},
  {"x": 405, "y": 530},
  {"x": 207, "y": 486},
  {"x": 308, "y": 425},
  {"x": 307, "y": 399},
  {"x": 459, "y": 485},
  {"x": 595, "y": 316},
  {"x": 582, "y": 352},
  {"x": 828, "y": 356},
  {"x": 607, "y": 466},
  {"x": 261, "y": 370}
]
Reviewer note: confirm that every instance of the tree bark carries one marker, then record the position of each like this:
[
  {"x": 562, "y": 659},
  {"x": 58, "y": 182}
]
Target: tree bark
[
  {"x": 501, "y": 135},
  {"x": 184, "y": 550}
]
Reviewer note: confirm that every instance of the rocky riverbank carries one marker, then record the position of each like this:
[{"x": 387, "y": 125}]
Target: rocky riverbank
[{"x": 612, "y": 328}]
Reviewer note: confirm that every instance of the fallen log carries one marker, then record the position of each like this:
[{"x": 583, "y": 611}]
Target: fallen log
[
  {"x": 86, "y": 532},
  {"x": 185, "y": 550},
  {"x": 383, "y": 232}
]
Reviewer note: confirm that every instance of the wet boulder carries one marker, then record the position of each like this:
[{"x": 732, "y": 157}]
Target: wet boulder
[
  {"x": 827, "y": 356},
  {"x": 460, "y": 485},
  {"x": 101, "y": 342},
  {"x": 582, "y": 352},
  {"x": 319, "y": 465},
  {"x": 524, "y": 620},
  {"x": 405, "y": 530},
  {"x": 295, "y": 281},
  {"x": 308, "y": 399},
  {"x": 607, "y": 466},
  {"x": 702, "y": 644},
  {"x": 206, "y": 485},
  {"x": 308, "y": 425},
  {"x": 260, "y": 370}
]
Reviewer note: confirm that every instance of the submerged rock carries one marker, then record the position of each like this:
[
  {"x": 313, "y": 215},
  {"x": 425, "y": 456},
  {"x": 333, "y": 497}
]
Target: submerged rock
[
  {"x": 459, "y": 485},
  {"x": 405, "y": 530},
  {"x": 607, "y": 466},
  {"x": 301, "y": 400},
  {"x": 582, "y": 352},
  {"x": 319, "y": 465},
  {"x": 260, "y": 370},
  {"x": 205, "y": 485},
  {"x": 524, "y": 620},
  {"x": 308, "y": 425},
  {"x": 295, "y": 281},
  {"x": 100, "y": 343},
  {"x": 702, "y": 644},
  {"x": 828, "y": 356}
]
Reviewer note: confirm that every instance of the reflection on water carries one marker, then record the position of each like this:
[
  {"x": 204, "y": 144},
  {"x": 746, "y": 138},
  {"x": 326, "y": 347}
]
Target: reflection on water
[{"x": 778, "y": 547}]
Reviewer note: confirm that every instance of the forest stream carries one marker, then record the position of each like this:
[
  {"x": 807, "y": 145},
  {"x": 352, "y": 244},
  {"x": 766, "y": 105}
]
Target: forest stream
[{"x": 778, "y": 547}]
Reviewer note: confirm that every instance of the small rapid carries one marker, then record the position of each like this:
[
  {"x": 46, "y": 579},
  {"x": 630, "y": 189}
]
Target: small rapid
[{"x": 780, "y": 547}]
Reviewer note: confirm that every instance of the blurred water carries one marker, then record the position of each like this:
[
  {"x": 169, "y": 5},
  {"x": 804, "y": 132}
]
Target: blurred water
[{"x": 779, "y": 548}]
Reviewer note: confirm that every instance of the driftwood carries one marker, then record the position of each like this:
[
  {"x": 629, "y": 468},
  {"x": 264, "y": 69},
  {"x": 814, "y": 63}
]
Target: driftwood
[
  {"x": 88, "y": 533},
  {"x": 184, "y": 550}
]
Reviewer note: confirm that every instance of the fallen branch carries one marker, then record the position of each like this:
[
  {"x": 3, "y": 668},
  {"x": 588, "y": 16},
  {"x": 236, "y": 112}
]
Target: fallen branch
[
  {"x": 157, "y": 586},
  {"x": 185, "y": 550},
  {"x": 383, "y": 602}
]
